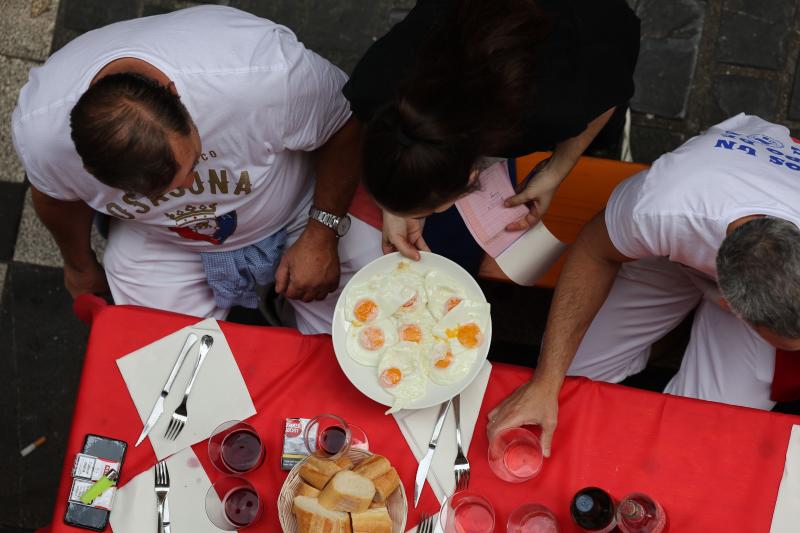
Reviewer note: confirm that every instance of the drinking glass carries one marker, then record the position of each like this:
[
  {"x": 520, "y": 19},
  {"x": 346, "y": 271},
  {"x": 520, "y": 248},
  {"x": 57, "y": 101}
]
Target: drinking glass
[
  {"x": 235, "y": 448},
  {"x": 515, "y": 455},
  {"x": 329, "y": 436},
  {"x": 232, "y": 503},
  {"x": 466, "y": 512},
  {"x": 532, "y": 518}
]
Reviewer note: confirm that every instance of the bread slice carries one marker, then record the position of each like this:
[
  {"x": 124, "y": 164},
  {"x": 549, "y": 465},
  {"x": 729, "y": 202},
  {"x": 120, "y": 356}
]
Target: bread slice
[
  {"x": 314, "y": 518},
  {"x": 317, "y": 472},
  {"x": 344, "y": 462},
  {"x": 307, "y": 490},
  {"x": 375, "y": 466},
  {"x": 372, "y": 521},
  {"x": 386, "y": 484},
  {"x": 377, "y": 505},
  {"x": 347, "y": 491}
]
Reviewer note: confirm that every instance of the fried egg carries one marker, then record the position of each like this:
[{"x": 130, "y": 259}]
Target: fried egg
[
  {"x": 465, "y": 326},
  {"x": 379, "y": 298},
  {"x": 413, "y": 280},
  {"x": 444, "y": 294},
  {"x": 366, "y": 344},
  {"x": 445, "y": 368},
  {"x": 415, "y": 327},
  {"x": 400, "y": 374}
]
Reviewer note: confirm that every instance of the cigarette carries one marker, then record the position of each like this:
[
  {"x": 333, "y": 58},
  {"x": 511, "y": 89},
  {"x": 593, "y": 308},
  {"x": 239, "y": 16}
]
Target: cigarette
[{"x": 32, "y": 446}]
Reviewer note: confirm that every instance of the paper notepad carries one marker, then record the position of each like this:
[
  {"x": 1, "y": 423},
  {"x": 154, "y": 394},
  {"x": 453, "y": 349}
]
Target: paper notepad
[{"x": 524, "y": 256}]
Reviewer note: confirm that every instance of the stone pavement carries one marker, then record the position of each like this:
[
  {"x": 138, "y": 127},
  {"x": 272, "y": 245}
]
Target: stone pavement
[{"x": 701, "y": 61}]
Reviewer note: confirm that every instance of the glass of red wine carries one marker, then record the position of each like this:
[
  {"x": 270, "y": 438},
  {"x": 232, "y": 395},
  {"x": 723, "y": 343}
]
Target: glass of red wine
[
  {"x": 232, "y": 503},
  {"x": 235, "y": 448},
  {"x": 532, "y": 518},
  {"x": 466, "y": 512},
  {"x": 329, "y": 436},
  {"x": 515, "y": 455}
]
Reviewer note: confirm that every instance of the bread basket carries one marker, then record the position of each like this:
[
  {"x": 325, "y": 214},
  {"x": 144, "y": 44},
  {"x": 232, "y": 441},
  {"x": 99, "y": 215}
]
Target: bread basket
[{"x": 397, "y": 505}]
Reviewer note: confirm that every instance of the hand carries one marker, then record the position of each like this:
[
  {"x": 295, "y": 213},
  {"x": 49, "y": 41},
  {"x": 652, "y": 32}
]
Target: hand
[
  {"x": 539, "y": 188},
  {"x": 89, "y": 278},
  {"x": 309, "y": 269},
  {"x": 403, "y": 235},
  {"x": 530, "y": 404}
]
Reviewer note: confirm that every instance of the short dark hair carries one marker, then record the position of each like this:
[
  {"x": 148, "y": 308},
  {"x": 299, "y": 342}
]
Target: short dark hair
[
  {"x": 758, "y": 272},
  {"x": 463, "y": 99},
  {"x": 120, "y": 128}
]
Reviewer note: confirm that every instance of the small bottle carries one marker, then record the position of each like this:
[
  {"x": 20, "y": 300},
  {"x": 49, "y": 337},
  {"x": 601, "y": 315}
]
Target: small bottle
[
  {"x": 639, "y": 513},
  {"x": 592, "y": 509}
]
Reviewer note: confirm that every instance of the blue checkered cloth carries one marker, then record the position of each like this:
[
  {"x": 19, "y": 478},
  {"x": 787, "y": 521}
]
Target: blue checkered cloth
[{"x": 234, "y": 275}]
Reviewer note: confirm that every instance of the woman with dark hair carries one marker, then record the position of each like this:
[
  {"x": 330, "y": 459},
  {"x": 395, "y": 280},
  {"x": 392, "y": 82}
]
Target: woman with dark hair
[{"x": 459, "y": 80}]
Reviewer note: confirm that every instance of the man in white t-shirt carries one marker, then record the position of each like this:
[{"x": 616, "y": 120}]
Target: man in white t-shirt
[
  {"x": 712, "y": 226},
  {"x": 222, "y": 149}
]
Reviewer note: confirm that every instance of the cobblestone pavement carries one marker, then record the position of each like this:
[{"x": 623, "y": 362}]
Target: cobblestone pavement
[{"x": 701, "y": 61}]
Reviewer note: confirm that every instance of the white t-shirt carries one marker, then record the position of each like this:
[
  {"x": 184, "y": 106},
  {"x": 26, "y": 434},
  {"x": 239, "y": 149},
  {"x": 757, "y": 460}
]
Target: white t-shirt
[
  {"x": 260, "y": 100},
  {"x": 681, "y": 207}
]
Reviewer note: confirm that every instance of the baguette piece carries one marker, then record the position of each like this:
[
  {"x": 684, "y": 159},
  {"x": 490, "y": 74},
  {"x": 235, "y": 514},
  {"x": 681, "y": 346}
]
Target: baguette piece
[
  {"x": 372, "y": 521},
  {"x": 317, "y": 472},
  {"x": 375, "y": 466},
  {"x": 314, "y": 518},
  {"x": 344, "y": 462},
  {"x": 386, "y": 484},
  {"x": 347, "y": 491},
  {"x": 307, "y": 490}
]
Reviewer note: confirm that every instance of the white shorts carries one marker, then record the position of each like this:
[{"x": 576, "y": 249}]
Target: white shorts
[
  {"x": 725, "y": 361},
  {"x": 151, "y": 273}
]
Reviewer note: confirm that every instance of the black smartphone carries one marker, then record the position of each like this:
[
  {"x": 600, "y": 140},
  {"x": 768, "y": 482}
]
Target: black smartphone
[{"x": 85, "y": 516}]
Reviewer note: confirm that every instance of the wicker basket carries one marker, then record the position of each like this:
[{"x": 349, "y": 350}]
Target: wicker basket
[{"x": 397, "y": 505}]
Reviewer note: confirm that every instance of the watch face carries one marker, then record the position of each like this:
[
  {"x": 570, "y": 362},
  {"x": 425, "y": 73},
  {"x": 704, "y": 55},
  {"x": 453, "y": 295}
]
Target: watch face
[{"x": 343, "y": 226}]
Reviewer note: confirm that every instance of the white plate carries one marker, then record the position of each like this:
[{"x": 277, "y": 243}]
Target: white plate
[{"x": 365, "y": 378}]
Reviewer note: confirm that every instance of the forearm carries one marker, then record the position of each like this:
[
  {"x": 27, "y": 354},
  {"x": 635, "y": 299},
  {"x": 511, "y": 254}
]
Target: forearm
[
  {"x": 338, "y": 167},
  {"x": 567, "y": 152},
  {"x": 70, "y": 223},
  {"x": 576, "y": 301}
]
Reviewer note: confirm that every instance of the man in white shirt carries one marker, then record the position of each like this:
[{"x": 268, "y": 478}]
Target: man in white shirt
[
  {"x": 712, "y": 226},
  {"x": 222, "y": 148}
]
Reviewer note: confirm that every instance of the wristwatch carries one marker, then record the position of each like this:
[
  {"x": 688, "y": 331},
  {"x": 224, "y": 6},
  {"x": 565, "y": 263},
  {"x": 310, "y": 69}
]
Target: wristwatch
[{"x": 340, "y": 225}]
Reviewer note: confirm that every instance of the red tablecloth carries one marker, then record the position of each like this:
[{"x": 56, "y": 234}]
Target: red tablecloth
[{"x": 715, "y": 468}]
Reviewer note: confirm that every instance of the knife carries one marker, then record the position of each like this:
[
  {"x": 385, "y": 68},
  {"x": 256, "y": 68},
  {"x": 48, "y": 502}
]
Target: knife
[
  {"x": 166, "y": 524},
  {"x": 158, "y": 408},
  {"x": 425, "y": 464}
]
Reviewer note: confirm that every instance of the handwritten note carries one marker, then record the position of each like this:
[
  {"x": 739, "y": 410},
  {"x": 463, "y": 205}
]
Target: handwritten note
[{"x": 486, "y": 216}]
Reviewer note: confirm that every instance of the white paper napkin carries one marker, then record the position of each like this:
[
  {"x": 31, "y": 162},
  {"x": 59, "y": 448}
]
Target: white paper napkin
[
  {"x": 219, "y": 394},
  {"x": 135, "y": 508},
  {"x": 417, "y": 425},
  {"x": 786, "y": 517}
]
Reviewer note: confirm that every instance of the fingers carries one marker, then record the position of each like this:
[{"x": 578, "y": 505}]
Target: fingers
[
  {"x": 517, "y": 199},
  {"x": 406, "y": 248},
  {"x": 525, "y": 222},
  {"x": 282, "y": 277},
  {"x": 387, "y": 247},
  {"x": 422, "y": 245},
  {"x": 548, "y": 428}
]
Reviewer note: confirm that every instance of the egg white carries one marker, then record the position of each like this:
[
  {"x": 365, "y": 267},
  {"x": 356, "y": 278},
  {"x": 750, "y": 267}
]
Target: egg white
[
  {"x": 456, "y": 368},
  {"x": 412, "y": 385},
  {"x": 464, "y": 313},
  {"x": 440, "y": 288}
]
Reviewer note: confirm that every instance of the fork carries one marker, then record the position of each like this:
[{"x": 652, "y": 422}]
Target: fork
[
  {"x": 162, "y": 490},
  {"x": 181, "y": 414},
  {"x": 461, "y": 466},
  {"x": 425, "y": 523}
]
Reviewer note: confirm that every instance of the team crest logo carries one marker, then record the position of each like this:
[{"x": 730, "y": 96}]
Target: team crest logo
[
  {"x": 766, "y": 140},
  {"x": 201, "y": 223}
]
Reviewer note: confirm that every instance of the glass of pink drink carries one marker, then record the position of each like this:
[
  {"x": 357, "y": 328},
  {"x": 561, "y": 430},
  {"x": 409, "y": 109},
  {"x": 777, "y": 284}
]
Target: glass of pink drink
[
  {"x": 515, "y": 455},
  {"x": 532, "y": 518},
  {"x": 467, "y": 512},
  {"x": 232, "y": 503},
  {"x": 235, "y": 448}
]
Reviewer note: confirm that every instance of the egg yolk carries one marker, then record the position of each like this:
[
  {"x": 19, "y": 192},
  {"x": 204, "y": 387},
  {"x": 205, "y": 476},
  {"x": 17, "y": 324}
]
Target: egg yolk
[
  {"x": 366, "y": 310},
  {"x": 391, "y": 377},
  {"x": 451, "y": 303},
  {"x": 411, "y": 333},
  {"x": 445, "y": 360},
  {"x": 371, "y": 338},
  {"x": 469, "y": 335},
  {"x": 411, "y": 303}
]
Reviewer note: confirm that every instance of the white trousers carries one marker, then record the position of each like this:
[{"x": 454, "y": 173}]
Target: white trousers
[
  {"x": 725, "y": 361},
  {"x": 145, "y": 271}
]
